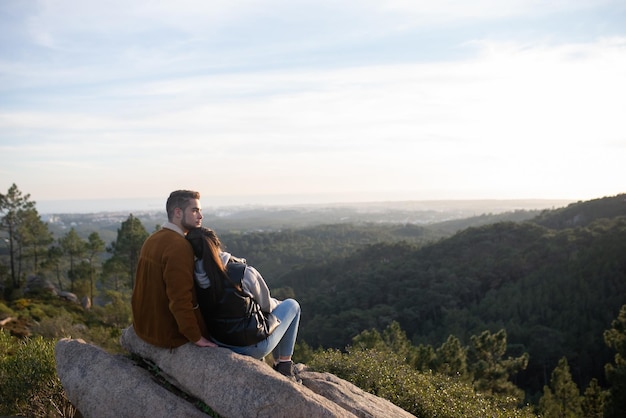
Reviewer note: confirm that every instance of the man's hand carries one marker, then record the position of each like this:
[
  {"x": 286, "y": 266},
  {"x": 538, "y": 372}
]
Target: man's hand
[{"x": 203, "y": 342}]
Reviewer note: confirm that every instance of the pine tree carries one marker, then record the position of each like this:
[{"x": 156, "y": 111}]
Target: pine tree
[
  {"x": 74, "y": 247},
  {"x": 34, "y": 237},
  {"x": 425, "y": 358},
  {"x": 392, "y": 339},
  {"x": 615, "y": 338},
  {"x": 369, "y": 339},
  {"x": 452, "y": 358},
  {"x": 95, "y": 246},
  {"x": 491, "y": 372},
  {"x": 127, "y": 246},
  {"x": 562, "y": 398},
  {"x": 113, "y": 274},
  {"x": 548, "y": 404},
  {"x": 52, "y": 261},
  {"x": 593, "y": 400},
  {"x": 13, "y": 208},
  {"x": 395, "y": 338}
]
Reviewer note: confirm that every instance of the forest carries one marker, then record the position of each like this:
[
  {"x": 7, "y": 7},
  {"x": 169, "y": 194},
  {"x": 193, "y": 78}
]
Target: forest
[
  {"x": 511, "y": 303},
  {"x": 553, "y": 282}
]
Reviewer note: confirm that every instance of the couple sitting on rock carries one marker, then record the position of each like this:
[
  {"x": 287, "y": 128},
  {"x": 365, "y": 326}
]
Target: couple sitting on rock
[{"x": 198, "y": 293}]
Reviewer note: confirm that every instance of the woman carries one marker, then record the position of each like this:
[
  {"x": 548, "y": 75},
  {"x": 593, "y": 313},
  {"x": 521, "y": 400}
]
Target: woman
[{"x": 231, "y": 293}]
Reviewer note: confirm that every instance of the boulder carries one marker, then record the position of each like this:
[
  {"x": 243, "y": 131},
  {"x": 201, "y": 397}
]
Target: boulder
[
  {"x": 69, "y": 296},
  {"x": 231, "y": 384},
  {"x": 350, "y": 397},
  {"x": 101, "y": 385},
  {"x": 39, "y": 284},
  {"x": 86, "y": 303}
]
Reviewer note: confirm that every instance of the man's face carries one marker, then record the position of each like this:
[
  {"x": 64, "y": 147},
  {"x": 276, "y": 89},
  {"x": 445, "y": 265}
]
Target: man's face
[{"x": 192, "y": 216}]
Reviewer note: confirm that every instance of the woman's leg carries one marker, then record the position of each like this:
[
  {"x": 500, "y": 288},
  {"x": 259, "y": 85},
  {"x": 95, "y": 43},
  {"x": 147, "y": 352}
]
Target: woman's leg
[
  {"x": 283, "y": 350},
  {"x": 282, "y": 340}
]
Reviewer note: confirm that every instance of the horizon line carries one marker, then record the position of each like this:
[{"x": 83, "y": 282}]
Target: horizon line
[{"x": 100, "y": 205}]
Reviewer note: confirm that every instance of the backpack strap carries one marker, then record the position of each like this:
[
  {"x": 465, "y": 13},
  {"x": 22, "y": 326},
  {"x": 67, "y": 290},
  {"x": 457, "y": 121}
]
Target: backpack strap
[{"x": 235, "y": 271}]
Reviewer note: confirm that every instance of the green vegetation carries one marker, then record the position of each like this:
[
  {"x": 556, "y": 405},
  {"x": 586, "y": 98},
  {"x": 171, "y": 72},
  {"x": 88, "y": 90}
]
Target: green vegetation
[
  {"x": 616, "y": 371},
  {"x": 492, "y": 316},
  {"x": 28, "y": 381},
  {"x": 424, "y": 394},
  {"x": 553, "y": 291},
  {"x": 451, "y": 381}
]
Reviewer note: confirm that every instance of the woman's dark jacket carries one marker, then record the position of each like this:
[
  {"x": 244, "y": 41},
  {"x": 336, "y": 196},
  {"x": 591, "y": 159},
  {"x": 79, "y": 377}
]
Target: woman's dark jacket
[{"x": 234, "y": 318}]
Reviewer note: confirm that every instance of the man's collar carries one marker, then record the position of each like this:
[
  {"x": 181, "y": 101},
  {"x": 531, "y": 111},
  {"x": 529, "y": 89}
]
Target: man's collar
[{"x": 173, "y": 227}]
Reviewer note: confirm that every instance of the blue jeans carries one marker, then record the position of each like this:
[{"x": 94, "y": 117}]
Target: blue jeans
[{"x": 282, "y": 341}]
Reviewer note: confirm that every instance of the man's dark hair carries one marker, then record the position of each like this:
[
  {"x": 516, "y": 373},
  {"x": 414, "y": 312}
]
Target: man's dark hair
[{"x": 179, "y": 199}]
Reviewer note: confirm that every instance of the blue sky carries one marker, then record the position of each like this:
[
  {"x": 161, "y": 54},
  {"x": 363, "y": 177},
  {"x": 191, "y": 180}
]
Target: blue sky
[{"x": 313, "y": 101}]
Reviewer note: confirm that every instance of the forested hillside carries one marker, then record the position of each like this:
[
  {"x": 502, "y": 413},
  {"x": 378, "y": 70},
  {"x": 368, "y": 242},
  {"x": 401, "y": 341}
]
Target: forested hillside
[
  {"x": 554, "y": 290},
  {"x": 543, "y": 286},
  {"x": 276, "y": 252},
  {"x": 280, "y": 252}
]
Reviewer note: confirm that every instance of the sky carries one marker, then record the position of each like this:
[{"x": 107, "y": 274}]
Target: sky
[{"x": 288, "y": 101}]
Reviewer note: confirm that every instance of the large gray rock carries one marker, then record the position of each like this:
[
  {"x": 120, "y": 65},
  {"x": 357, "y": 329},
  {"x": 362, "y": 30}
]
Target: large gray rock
[
  {"x": 39, "y": 284},
  {"x": 231, "y": 384},
  {"x": 101, "y": 385}
]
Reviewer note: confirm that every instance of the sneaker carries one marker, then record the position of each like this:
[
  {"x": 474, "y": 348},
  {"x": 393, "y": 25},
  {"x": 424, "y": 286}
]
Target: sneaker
[
  {"x": 285, "y": 368},
  {"x": 289, "y": 370}
]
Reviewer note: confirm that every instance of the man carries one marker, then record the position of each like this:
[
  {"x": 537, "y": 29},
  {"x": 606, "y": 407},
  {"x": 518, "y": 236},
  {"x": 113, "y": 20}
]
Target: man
[{"x": 165, "y": 310}]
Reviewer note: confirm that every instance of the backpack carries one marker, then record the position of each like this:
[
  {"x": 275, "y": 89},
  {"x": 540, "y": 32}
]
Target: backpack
[{"x": 237, "y": 319}]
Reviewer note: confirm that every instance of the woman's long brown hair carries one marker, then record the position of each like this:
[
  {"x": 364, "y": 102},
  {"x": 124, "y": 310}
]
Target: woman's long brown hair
[{"x": 207, "y": 246}]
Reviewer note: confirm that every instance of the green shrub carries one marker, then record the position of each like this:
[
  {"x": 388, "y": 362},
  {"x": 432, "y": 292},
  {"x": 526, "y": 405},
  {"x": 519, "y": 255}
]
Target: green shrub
[
  {"x": 5, "y": 311},
  {"x": 116, "y": 312},
  {"x": 61, "y": 326},
  {"x": 386, "y": 375},
  {"x": 8, "y": 345},
  {"x": 52, "y": 310},
  {"x": 37, "y": 313},
  {"x": 106, "y": 338},
  {"x": 28, "y": 382},
  {"x": 21, "y": 304}
]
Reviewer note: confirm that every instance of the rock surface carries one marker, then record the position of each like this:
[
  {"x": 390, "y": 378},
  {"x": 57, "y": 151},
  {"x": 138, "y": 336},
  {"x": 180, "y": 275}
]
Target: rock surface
[
  {"x": 233, "y": 385},
  {"x": 350, "y": 397},
  {"x": 102, "y": 385}
]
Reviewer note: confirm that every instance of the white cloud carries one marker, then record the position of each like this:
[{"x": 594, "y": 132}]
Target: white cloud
[
  {"x": 509, "y": 90},
  {"x": 506, "y": 117},
  {"x": 451, "y": 10}
]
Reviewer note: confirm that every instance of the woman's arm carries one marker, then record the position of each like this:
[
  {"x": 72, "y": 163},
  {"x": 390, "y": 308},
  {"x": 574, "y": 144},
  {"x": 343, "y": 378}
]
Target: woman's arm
[{"x": 256, "y": 287}]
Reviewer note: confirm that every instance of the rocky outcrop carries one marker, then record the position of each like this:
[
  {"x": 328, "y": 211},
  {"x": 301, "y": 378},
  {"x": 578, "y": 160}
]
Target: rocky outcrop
[
  {"x": 350, "y": 397},
  {"x": 232, "y": 385},
  {"x": 105, "y": 386},
  {"x": 102, "y": 385},
  {"x": 40, "y": 285}
]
